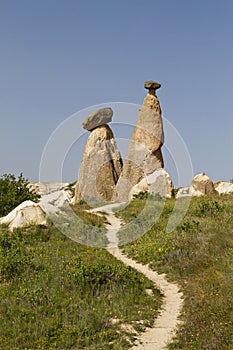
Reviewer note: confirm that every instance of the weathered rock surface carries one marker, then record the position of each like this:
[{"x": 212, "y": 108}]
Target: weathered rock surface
[
  {"x": 98, "y": 118},
  {"x": 69, "y": 192},
  {"x": 201, "y": 185},
  {"x": 159, "y": 182},
  {"x": 151, "y": 85},
  {"x": 24, "y": 214},
  {"x": 100, "y": 168},
  {"x": 43, "y": 188},
  {"x": 183, "y": 192},
  {"x": 224, "y": 187},
  {"x": 144, "y": 153}
]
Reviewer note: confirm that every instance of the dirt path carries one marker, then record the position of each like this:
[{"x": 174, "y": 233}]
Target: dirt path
[{"x": 157, "y": 337}]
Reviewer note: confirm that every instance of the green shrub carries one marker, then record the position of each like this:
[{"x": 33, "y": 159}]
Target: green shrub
[
  {"x": 13, "y": 256},
  {"x": 13, "y": 192},
  {"x": 210, "y": 208},
  {"x": 188, "y": 226},
  {"x": 95, "y": 275},
  {"x": 140, "y": 195}
]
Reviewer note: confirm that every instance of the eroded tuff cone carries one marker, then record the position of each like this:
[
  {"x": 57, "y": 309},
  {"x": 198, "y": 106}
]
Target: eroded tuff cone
[
  {"x": 144, "y": 153},
  {"x": 100, "y": 168},
  {"x": 98, "y": 118}
]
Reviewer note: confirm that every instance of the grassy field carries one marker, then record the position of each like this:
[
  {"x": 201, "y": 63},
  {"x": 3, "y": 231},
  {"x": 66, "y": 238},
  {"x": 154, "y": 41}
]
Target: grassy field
[
  {"x": 198, "y": 256},
  {"x": 58, "y": 294}
]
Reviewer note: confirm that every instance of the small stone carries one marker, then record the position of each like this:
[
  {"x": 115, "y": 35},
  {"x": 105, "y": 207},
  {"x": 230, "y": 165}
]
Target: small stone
[
  {"x": 101, "y": 117},
  {"x": 150, "y": 84}
]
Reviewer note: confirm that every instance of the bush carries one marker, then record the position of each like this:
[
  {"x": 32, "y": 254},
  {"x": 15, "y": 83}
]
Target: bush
[
  {"x": 97, "y": 275},
  {"x": 13, "y": 192},
  {"x": 13, "y": 255},
  {"x": 210, "y": 208},
  {"x": 140, "y": 195}
]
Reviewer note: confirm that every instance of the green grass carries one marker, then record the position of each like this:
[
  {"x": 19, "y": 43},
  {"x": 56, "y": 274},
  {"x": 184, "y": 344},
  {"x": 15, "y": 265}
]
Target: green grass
[
  {"x": 89, "y": 218},
  {"x": 81, "y": 226},
  {"x": 58, "y": 294},
  {"x": 198, "y": 256}
]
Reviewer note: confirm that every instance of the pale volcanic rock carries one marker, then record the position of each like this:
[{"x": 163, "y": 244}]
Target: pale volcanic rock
[
  {"x": 183, "y": 192},
  {"x": 98, "y": 118},
  {"x": 26, "y": 213},
  {"x": 144, "y": 154},
  {"x": 159, "y": 182},
  {"x": 43, "y": 188},
  {"x": 201, "y": 185},
  {"x": 100, "y": 168},
  {"x": 224, "y": 187}
]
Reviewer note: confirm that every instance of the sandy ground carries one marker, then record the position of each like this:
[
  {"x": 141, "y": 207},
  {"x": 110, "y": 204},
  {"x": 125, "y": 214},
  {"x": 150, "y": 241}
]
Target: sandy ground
[{"x": 157, "y": 337}]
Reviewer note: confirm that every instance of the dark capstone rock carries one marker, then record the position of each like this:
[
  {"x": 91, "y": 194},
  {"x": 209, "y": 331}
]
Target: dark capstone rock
[
  {"x": 150, "y": 84},
  {"x": 98, "y": 118}
]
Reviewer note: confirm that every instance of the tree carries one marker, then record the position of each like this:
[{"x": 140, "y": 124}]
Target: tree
[{"x": 13, "y": 192}]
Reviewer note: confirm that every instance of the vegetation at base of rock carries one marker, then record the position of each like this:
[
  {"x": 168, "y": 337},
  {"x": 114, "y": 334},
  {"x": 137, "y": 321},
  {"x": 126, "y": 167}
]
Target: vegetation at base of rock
[
  {"x": 81, "y": 208},
  {"x": 14, "y": 191},
  {"x": 198, "y": 256},
  {"x": 57, "y": 294}
]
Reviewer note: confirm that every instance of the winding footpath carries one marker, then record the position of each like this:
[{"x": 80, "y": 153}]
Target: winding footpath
[{"x": 163, "y": 330}]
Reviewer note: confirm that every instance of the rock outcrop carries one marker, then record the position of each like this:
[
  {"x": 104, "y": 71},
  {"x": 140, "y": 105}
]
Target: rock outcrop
[
  {"x": 183, "y": 192},
  {"x": 44, "y": 188},
  {"x": 201, "y": 185},
  {"x": 26, "y": 213},
  {"x": 101, "y": 165},
  {"x": 144, "y": 153},
  {"x": 159, "y": 182},
  {"x": 224, "y": 187}
]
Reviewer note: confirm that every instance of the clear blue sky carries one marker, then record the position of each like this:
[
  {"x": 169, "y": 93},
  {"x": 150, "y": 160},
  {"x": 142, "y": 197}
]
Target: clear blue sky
[{"x": 60, "y": 56}]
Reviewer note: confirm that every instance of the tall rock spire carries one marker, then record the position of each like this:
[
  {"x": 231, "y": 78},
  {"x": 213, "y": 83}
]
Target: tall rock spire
[
  {"x": 144, "y": 154},
  {"x": 101, "y": 164}
]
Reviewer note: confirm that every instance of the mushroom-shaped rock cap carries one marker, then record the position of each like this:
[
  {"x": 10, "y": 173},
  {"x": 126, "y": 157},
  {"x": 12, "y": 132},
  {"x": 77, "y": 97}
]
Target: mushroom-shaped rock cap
[
  {"x": 98, "y": 118},
  {"x": 150, "y": 84}
]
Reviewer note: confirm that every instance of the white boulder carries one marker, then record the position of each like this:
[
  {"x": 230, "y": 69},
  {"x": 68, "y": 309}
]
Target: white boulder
[
  {"x": 24, "y": 214},
  {"x": 224, "y": 187},
  {"x": 201, "y": 185},
  {"x": 159, "y": 182},
  {"x": 44, "y": 188},
  {"x": 183, "y": 192}
]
